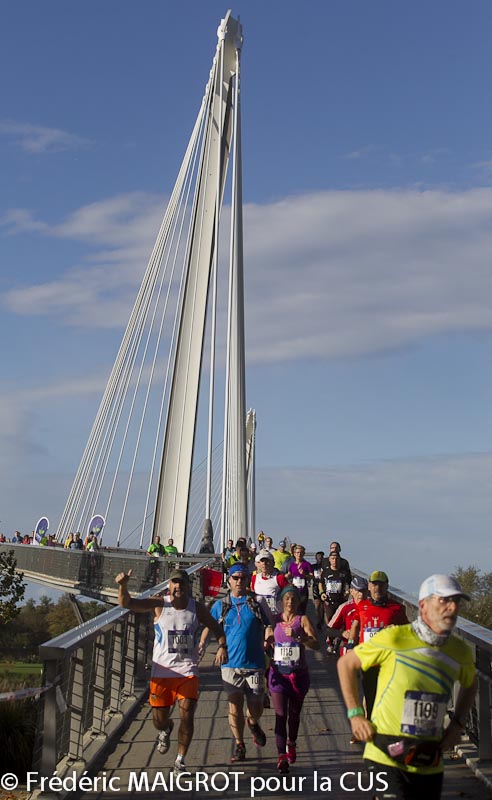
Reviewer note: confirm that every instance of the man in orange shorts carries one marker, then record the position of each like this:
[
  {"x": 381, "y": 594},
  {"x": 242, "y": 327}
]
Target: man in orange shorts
[{"x": 174, "y": 677}]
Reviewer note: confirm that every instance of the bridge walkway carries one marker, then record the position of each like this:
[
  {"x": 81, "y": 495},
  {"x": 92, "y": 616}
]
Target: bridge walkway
[{"x": 325, "y": 753}]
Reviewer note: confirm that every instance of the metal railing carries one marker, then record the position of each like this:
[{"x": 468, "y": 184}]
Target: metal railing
[
  {"x": 95, "y": 675},
  {"x": 92, "y": 573}
]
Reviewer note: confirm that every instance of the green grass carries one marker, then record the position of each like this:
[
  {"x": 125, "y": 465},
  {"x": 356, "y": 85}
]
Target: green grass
[{"x": 20, "y": 668}]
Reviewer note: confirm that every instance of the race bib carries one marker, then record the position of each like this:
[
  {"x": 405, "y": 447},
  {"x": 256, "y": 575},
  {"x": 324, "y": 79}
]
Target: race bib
[
  {"x": 299, "y": 583},
  {"x": 317, "y": 573},
  {"x": 370, "y": 632},
  {"x": 287, "y": 655},
  {"x": 423, "y": 713},
  {"x": 271, "y": 602},
  {"x": 179, "y": 642},
  {"x": 333, "y": 587},
  {"x": 255, "y": 680}
]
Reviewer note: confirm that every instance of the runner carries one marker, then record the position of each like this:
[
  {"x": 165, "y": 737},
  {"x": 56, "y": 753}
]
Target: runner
[
  {"x": 227, "y": 554},
  {"x": 243, "y": 670},
  {"x": 300, "y": 573},
  {"x": 267, "y": 584},
  {"x": 289, "y": 676},
  {"x": 341, "y": 622},
  {"x": 419, "y": 664},
  {"x": 344, "y": 564},
  {"x": 174, "y": 676},
  {"x": 333, "y": 587},
  {"x": 318, "y": 603},
  {"x": 371, "y": 615},
  {"x": 280, "y": 555}
]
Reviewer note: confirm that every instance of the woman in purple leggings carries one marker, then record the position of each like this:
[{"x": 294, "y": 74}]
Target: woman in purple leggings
[{"x": 289, "y": 676}]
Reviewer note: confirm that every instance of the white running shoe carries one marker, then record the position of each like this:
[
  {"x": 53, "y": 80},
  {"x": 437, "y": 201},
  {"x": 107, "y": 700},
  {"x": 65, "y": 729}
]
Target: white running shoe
[{"x": 164, "y": 738}]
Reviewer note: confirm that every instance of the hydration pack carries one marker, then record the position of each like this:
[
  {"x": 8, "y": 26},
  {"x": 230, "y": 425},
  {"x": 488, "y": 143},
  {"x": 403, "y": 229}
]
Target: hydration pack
[{"x": 251, "y": 602}]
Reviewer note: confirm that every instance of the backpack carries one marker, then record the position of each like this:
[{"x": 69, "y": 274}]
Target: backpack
[{"x": 251, "y": 602}]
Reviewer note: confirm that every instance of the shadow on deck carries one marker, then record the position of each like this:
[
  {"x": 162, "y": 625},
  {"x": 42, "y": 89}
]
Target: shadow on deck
[{"x": 327, "y": 765}]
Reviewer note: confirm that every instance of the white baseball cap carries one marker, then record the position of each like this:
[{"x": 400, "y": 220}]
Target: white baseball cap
[
  {"x": 264, "y": 554},
  {"x": 442, "y": 586}
]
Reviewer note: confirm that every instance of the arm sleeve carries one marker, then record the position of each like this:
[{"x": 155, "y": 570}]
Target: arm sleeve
[
  {"x": 468, "y": 670},
  {"x": 373, "y": 652}
]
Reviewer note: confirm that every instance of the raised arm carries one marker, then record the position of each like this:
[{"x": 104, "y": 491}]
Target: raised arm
[{"x": 134, "y": 604}]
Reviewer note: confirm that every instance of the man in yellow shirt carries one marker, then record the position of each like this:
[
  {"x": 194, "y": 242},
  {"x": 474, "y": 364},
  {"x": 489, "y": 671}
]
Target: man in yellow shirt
[
  {"x": 280, "y": 556},
  {"x": 419, "y": 664}
]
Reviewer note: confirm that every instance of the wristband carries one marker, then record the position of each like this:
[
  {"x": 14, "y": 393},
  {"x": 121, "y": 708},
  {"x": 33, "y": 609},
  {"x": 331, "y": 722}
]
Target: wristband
[
  {"x": 224, "y": 644},
  {"x": 355, "y": 712}
]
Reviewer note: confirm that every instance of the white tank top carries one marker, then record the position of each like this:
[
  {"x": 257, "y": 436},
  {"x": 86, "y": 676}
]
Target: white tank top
[
  {"x": 175, "y": 641},
  {"x": 267, "y": 593}
]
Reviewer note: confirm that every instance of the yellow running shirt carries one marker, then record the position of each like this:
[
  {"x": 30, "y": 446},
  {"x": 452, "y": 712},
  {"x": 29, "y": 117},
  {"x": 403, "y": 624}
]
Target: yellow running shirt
[{"x": 415, "y": 684}]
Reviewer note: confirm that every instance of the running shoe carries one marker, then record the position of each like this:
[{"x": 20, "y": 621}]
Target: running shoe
[
  {"x": 164, "y": 738},
  {"x": 330, "y": 649},
  {"x": 283, "y": 763},
  {"x": 179, "y": 768},
  {"x": 291, "y": 752},
  {"x": 259, "y": 737},
  {"x": 239, "y": 753}
]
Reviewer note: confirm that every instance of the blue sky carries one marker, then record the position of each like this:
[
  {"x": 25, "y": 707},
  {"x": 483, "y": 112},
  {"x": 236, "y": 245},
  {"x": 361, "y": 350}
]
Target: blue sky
[{"x": 367, "y": 164}]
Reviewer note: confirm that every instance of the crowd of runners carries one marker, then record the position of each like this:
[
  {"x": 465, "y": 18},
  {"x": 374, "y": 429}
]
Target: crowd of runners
[{"x": 396, "y": 678}]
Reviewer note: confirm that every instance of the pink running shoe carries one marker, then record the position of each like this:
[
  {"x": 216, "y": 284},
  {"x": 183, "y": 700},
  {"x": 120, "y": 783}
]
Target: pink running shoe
[
  {"x": 283, "y": 763},
  {"x": 291, "y": 752}
]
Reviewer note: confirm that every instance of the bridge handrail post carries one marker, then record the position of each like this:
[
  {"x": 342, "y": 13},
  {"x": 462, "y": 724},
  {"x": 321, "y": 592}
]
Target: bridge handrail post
[
  {"x": 100, "y": 662},
  {"x": 78, "y": 689},
  {"x": 116, "y": 664},
  {"x": 129, "y": 657},
  {"x": 483, "y": 705},
  {"x": 48, "y": 745}
]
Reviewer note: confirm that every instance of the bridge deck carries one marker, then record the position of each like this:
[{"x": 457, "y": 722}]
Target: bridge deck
[{"x": 324, "y": 751}]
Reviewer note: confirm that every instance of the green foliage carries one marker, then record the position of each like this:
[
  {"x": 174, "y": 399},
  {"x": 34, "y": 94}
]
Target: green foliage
[
  {"x": 478, "y": 585},
  {"x": 20, "y": 638},
  {"x": 17, "y": 734},
  {"x": 36, "y": 623},
  {"x": 12, "y": 586}
]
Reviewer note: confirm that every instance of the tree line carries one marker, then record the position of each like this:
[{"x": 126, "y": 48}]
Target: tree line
[{"x": 37, "y": 622}]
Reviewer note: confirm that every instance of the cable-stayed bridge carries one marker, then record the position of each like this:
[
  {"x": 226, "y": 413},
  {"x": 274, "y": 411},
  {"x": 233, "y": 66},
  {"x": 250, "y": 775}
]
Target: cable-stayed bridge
[
  {"x": 174, "y": 405},
  {"x": 155, "y": 464}
]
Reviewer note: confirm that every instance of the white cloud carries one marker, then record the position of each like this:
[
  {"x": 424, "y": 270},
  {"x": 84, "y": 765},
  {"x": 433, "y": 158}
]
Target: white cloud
[
  {"x": 345, "y": 273},
  {"x": 408, "y": 517},
  {"x": 484, "y": 166},
  {"x": 35, "y": 139},
  {"x": 328, "y": 275},
  {"x": 356, "y": 155},
  {"x": 21, "y": 220},
  {"x": 101, "y": 291}
]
